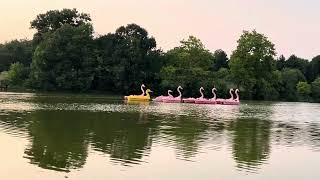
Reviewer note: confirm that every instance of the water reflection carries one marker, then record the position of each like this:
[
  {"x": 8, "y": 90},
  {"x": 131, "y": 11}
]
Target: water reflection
[
  {"x": 63, "y": 131},
  {"x": 251, "y": 142}
]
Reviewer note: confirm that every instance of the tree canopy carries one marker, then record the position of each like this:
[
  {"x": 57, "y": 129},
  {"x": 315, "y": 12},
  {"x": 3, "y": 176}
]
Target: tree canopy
[{"x": 65, "y": 55}]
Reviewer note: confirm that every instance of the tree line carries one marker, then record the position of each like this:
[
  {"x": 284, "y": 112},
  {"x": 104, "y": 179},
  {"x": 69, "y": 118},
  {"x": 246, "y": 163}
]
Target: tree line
[{"x": 64, "y": 55}]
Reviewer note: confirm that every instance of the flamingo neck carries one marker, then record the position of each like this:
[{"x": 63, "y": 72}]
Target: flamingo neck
[
  {"x": 201, "y": 94},
  {"x": 179, "y": 93},
  {"x": 230, "y": 92},
  {"x": 214, "y": 95},
  {"x": 237, "y": 99},
  {"x": 169, "y": 94},
  {"x": 143, "y": 93}
]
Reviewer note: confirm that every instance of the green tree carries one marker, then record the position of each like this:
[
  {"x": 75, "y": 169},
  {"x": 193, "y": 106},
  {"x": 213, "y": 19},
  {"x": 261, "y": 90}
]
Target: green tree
[
  {"x": 252, "y": 63},
  {"x": 281, "y": 63},
  {"x": 315, "y": 89},
  {"x": 55, "y": 19},
  {"x": 17, "y": 74},
  {"x": 15, "y": 51},
  {"x": 290, "y": 79},
  {"x": 314, "y": 69},
  {"x": 295, "y": 62},
  {"x": 220, "y": 60},
  {"x": 64, "y": 59},
  {"x": 129, "y": 57},
  {"x": 189, "y": 66},
  {"x": 304, "y": 89}
]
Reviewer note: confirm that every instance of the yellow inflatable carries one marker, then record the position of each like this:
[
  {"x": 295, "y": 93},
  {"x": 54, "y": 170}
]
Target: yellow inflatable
[{"x": 140, "y": 98}]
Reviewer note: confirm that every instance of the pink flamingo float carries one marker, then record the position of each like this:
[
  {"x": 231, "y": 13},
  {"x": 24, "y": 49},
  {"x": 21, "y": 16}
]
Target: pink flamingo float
[
  {"x": 192, "y": 100},
  {"x": 221, "y": 101},
  {"x": 235, "y": 101},
  {"x": 174, "y": 99},
  {"x": 142, "y": 89},
  {"x": 161, "y": 98},
  {"x": 203, "y": 100}
]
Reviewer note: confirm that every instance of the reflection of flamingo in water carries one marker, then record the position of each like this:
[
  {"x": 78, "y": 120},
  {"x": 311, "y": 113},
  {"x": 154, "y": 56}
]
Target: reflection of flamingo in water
[
  {"x": 235, "y": 101},
  {"x": 221, "y": 101},
  {"x": 161, "y": 98},
  {"x": 174, "y": 99},
  {"x": 202, "y": 100},
  {"x": 143, "y": 92}
]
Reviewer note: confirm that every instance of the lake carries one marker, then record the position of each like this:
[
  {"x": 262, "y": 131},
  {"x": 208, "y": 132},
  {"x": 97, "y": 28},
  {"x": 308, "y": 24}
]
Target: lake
[{"x": 65, "y": 136}]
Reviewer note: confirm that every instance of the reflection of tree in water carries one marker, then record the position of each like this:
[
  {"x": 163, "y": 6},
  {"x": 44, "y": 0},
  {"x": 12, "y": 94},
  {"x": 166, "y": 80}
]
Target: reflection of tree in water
[
  {"x": 187, "y": 133},
  {"x": 58, "y": 140},
  {"x": 125, "y": 136},
  {"x": 314, "y": 135},
  {"x": 251, "y": 142}
]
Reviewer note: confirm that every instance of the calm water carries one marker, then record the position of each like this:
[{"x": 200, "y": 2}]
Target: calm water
[{"x": 52, "y": 136}]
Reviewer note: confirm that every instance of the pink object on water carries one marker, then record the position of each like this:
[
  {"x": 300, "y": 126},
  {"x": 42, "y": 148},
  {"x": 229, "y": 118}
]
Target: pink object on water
[
  {"x": 161, "y": 98},
  {"x": 235, "y": 101},
  {"x": 174, "y": 99},
  {"x": 193, "y": 100},
  {"x": 222, "y": 101},
  {"x": 202, "y": 100}
]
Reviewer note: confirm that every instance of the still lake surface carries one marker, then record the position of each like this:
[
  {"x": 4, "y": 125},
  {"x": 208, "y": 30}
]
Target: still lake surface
[{"x": 59, "y": 136}]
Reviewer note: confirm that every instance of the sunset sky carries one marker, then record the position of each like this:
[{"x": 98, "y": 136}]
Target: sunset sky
[{"x": 293, "y": 25}]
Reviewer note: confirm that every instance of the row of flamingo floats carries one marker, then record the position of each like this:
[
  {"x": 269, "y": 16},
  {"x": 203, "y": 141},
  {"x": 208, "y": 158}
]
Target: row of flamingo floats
[{"x": 145, "y": 96}]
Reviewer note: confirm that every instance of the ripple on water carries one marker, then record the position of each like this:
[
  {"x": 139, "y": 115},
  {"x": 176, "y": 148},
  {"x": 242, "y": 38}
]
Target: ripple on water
[{"x": 127, "y": 133}]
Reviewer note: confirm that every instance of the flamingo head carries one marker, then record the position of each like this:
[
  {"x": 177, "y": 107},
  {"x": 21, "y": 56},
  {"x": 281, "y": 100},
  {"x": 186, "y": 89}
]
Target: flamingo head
[
  {"x": 237, "y": 90},
  {"x": 143, "y": 86},
  {"x": 214, "y": 89},
  {"x": 231, "y": 90},
  {"x": 202, "y": 89},
  {"x": 180, "y": 87},
  {"x": 148, "y": 91},
  {"x": 169, "y": 91}
]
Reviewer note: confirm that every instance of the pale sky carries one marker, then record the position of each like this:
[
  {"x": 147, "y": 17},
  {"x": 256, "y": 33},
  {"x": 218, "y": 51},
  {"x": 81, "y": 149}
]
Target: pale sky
[{"x": 292, "y": 25}]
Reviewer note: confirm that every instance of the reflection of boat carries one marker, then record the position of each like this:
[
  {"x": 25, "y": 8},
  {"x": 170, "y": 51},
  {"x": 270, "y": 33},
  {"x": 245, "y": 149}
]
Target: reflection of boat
[
  {"x": 144, "y": 103},
  {"x": 140, "y": 98}
]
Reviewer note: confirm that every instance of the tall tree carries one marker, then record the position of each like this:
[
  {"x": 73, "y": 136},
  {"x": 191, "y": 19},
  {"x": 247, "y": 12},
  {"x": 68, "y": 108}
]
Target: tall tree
[
  {"x": 54, "y": 19},
  {"x": 295, "y": 62},
  {"x": 16, "y": 51},
  {"x": 129, "y": 57},
  {"x": 220, "y": 60},
  {"x": 314, "y": 69},
  {"x": 64, "y": 59},
  {"x": 188, "y": 65},
  {"x": 280, "y": 63},
  {"x": 252, "y": 63}
]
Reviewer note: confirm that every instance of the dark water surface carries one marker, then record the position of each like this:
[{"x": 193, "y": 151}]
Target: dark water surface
[{"x": 55, "y": 136}]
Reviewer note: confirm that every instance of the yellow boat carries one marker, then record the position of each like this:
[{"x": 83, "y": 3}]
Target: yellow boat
[{"x": 140, "y": 98}]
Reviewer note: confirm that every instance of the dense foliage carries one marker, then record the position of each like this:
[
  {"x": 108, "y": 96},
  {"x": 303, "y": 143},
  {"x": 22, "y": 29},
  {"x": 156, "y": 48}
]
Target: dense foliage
[{"x": 64, "y": 55}]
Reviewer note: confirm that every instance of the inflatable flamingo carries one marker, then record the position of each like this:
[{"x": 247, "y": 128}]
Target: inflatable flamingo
[
  {"x": 221, "y": 101},
  {"x": 161, "y": 98},
  {"x": 235, "y": 101},
  {"x": 174, "y": 99},
  {"x": 202, "y": 100},
  {"x": 192, "y": 100},
  {"x": 143, "y": 92}
]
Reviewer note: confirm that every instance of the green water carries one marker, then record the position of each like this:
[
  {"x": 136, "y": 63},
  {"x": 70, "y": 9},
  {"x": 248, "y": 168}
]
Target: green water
[{"x": 55, "y": 136}]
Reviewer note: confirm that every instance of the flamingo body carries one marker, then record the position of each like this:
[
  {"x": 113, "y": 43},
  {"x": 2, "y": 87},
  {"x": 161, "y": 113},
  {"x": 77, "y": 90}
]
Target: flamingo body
[
  {"x": 139, "y": 97},
  {"x": 177, "y": 99},
  {"x": 136, "y": 96},
  {"x": 188, "y": 100},
  {"x": 235, "y": 101},
  {"x": 161, "y": 98}
]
